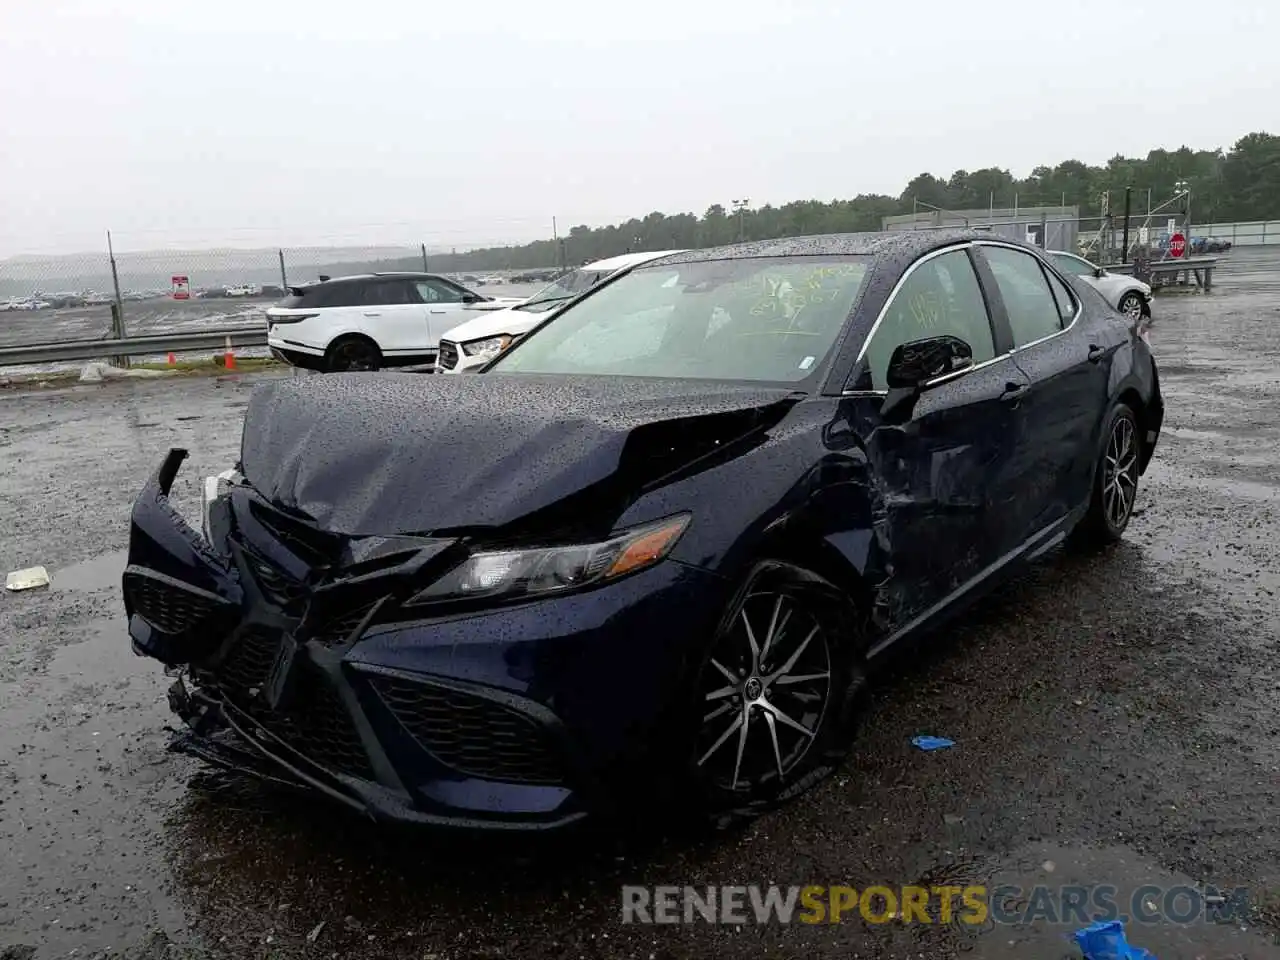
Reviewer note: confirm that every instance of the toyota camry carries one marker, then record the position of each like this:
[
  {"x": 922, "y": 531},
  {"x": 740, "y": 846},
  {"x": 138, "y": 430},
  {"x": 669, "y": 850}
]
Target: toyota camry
[{"x": 656, "y": 548}]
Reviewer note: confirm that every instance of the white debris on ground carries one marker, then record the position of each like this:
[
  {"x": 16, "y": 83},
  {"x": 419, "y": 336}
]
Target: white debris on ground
[
  {"x": 98, "y": 370},
  {"x": 27, "y": 579}
]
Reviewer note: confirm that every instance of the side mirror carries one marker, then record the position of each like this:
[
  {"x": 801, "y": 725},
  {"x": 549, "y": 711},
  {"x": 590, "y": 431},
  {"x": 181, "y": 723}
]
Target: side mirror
[
  {"x": 472, "y": 298},
  {"x": 1099, "y": 272},
  {"x": 914, "y": 364}
]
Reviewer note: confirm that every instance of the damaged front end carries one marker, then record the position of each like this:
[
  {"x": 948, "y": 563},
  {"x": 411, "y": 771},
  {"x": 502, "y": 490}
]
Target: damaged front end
[{"x": 257, "y": 618}]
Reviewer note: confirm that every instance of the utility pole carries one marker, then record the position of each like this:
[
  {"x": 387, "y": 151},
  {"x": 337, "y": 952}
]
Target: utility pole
[
  {"x": 1124, "y": 254},
  {"x": 423, "y": 248},
  {"x": 741, "y": 207},
  {"x": 117, "y": 312}
]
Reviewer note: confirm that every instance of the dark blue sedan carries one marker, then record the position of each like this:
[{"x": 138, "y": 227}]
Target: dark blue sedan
[{"x": 655, "y": 548}]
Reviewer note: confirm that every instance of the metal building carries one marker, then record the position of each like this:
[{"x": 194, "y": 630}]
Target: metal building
[{"x": 1054, "y": 228}]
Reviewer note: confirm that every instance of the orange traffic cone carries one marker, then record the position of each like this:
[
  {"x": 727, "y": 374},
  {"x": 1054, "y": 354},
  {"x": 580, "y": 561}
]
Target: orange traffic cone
[{"x": 228, "y": 357}]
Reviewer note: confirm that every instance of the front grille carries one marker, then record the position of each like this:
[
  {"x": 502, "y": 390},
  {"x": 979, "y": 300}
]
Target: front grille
[
  {"x": 474, "y": 735},
  {"x": 448, "y": 357},
  {"x": 316, "y": 724},
  {"x": 340, "y": 629},
  {"x": 167, "y": 606},
  {"x": 280, "y": 588},
  {"x": 246, "y": 666}
]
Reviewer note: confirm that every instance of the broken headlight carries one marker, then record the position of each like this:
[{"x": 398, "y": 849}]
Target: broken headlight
[
  {"x": 214, "y": 487},
  {"x": 508, "y": 574}
]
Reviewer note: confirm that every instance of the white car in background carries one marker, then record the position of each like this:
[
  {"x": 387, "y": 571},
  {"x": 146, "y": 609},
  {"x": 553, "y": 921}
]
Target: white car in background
[
  {"x": 468, "y": 347},
  {"x": 371, "y": 321},
  {"x": 1127, "y": 294}
]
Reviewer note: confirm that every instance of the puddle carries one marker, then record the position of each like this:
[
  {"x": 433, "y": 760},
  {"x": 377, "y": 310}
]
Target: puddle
[
  {"x": 96, "y": 573},
  {"x": 1158, "y": 905}
]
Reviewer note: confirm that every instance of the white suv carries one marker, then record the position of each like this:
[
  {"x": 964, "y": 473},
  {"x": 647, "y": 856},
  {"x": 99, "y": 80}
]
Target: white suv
[
  {"x": 468, "y": 347},
  {"x": 371, "y": 321}
]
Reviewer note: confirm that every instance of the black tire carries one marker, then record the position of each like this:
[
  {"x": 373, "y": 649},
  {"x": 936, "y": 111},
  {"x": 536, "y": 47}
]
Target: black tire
[
  {"x": 765, "y": 725},
  {"x": 352, "y": 353},
  {"x": 1115, "y": 481},
  {"x": 1132, "y": 305}
]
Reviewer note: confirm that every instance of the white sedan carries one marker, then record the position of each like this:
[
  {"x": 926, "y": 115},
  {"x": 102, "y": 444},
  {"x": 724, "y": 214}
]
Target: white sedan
[
  {"x": 1127, "y": 294},
  {"x": 469, "y": 346}
]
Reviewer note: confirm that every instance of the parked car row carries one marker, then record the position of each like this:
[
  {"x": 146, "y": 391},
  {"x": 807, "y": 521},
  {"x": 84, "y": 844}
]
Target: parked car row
[{"x": 656, "y": 550}]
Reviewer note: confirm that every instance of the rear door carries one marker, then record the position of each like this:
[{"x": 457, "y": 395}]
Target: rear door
[
  {"x": 393, "y": 315},
  {"x": 944, "y": 470},
  {"x": 1068, "y": 363}
]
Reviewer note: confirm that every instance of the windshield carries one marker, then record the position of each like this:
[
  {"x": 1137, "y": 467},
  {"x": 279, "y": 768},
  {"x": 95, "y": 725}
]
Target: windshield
[
  {"x": 564, "y": 288},
  {"x": 768, "y": 319}
]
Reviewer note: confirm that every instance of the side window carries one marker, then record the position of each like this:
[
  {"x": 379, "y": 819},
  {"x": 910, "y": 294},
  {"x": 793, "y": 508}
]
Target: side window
[
  {"x": 1073, "y": 265},
  {"x": 335, "y": 295},
  {"x": 1066, "y": 303},
  {"x": 941, "y": 296},
  {"x": 437, "y": 291},
  {"x": 385, "y": 293},
  {"x": 1033, "y": 312}
]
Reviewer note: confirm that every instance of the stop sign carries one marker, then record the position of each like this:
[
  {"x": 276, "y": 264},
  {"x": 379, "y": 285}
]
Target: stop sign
[{"x": 1177, "y": 245}]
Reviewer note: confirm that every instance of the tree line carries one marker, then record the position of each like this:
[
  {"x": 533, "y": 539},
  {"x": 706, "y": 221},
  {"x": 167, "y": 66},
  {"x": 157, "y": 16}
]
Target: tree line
[{"x": 1239, "y": 184}]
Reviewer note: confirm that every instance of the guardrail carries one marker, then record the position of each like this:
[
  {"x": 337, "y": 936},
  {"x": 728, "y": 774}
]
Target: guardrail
[{"x": 153, "y": 345}]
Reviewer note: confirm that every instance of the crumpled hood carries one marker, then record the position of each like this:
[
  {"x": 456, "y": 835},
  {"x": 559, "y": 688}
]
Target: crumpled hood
[{"x": 406, "y": 453}]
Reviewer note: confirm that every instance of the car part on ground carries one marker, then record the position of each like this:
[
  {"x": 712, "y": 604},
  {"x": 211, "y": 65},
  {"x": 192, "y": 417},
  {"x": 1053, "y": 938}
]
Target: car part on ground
[{"x": 567, "y": 615}]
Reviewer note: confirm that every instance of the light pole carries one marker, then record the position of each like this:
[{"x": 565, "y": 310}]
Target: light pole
[
  {"x": 1183, "y": 189},
  {"x": 740, "y": 206}
]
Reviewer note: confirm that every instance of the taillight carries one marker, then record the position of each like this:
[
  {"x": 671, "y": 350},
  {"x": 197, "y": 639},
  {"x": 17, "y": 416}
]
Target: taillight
[{"x": 289, "y": 317}]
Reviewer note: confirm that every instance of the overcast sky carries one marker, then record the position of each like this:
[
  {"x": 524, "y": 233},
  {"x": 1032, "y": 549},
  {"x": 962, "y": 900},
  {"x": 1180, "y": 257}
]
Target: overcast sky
[{"x": 310, "y": 121}]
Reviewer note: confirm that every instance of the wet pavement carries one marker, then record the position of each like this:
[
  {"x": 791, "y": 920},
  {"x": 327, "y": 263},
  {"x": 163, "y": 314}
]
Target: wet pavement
[{"x": 1117, "y": 721}]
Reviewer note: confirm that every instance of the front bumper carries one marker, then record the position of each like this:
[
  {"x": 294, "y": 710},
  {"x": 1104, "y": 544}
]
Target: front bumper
[
  {"x": 453, "y": 359},
  {"x": 525, "y": 716}
]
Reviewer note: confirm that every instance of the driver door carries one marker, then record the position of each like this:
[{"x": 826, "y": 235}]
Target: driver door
[{"x": 941, "y": 467}]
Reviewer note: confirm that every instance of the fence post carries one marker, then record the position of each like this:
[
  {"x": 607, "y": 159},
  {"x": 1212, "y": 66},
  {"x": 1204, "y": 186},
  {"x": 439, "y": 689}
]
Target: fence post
[
  {"x": 1044, "y": 230},
  {"x": 117, "y": 308},
  {"x": 284, "y": 280}
]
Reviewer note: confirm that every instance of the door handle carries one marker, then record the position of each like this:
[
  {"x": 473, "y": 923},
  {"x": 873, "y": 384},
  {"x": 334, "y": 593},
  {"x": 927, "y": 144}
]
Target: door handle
[
  {"x": 439, "y": 311},
  {"x": 1095, "y": 353},
  {"x": 372, "y": 313},
  {"x": 1013, "y": 392}
]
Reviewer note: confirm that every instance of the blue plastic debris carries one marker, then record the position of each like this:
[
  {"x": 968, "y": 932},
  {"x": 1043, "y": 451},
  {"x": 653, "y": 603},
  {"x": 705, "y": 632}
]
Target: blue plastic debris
[
  {"x": 932, "y": 743},
  {"x": 1105, "y": 941}
]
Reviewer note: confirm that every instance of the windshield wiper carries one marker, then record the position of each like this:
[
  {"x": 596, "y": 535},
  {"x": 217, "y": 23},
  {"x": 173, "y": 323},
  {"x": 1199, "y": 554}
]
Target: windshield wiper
[{"x": 547, "y": 300}]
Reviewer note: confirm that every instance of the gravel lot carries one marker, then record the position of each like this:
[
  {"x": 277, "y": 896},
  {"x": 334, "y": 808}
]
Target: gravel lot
[{"x": 1117, "y": 719}]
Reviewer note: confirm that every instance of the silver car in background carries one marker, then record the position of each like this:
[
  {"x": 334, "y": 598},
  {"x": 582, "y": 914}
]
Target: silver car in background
[{"x": 1127, "y": 294}]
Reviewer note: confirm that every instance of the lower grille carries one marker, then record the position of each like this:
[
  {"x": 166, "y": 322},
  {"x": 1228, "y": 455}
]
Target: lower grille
[
  {"x": 448, "y": 356},
  {"x": 316, "y": 724},
  {"x": 472, "y": 734},
  {"x": 278, "y": 586},
  {"x": 245, "y": 668},
  {"x": 166, "y": 606},
  {"x": 340, "y": 629}
]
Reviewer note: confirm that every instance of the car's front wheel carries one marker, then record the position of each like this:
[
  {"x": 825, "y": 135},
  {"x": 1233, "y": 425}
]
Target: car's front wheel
[
  {"x": 1132, "y": 305},
  {"x": 352, "y": 353},
  {"x": 774, "y": 700},
  {"x": 1115, "y": 481}
]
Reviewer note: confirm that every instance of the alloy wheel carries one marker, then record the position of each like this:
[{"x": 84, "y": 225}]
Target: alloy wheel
[
  {"x": 1131, "y": 306},
  {"x": 764, "y": 692},
  {"x": 1120, "y": 473}
]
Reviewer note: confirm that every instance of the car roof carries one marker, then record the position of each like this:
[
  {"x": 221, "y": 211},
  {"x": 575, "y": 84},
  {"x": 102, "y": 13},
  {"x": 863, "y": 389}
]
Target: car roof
[
  {"x": 390, "y": 275},
  {"x": 626, "y": 260},
  {"x": 904, "y": 245}
]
